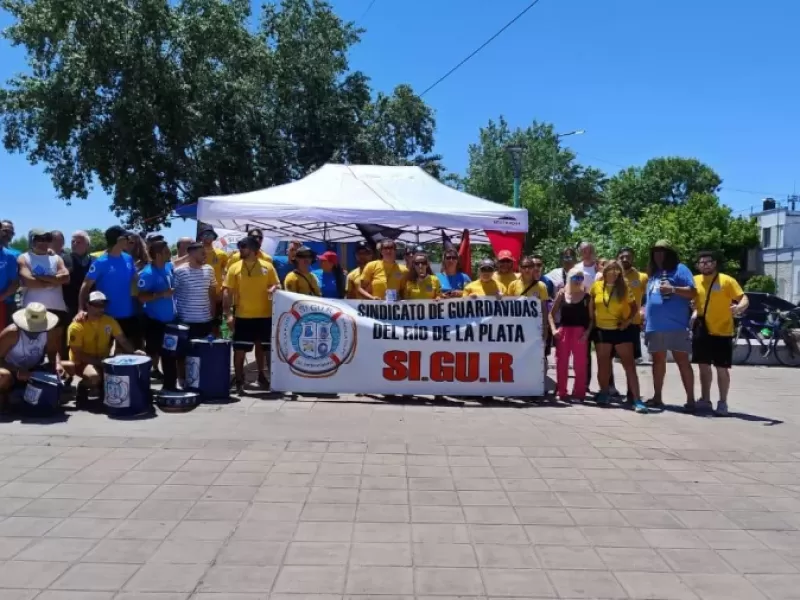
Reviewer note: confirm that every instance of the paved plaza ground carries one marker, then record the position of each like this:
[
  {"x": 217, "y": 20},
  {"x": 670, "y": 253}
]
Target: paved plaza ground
[{"x": 351, "y": 497}]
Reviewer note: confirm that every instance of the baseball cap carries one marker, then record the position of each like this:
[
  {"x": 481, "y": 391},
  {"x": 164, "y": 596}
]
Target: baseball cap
[
  {"x": 35, "y": 233},
  {"x": 194, "y": 246},
  {"x": 329, "y": 256},
  {"x": 208, "y": 229},
  {"x": 663, "y": 244},
  {"x": 505, "y": 255},
  {"x": 304, "y": 252},
  {"x": 363, "y": 246},
  {"x": 97, "y": 296},
  {"x": 486, "y": 263}
]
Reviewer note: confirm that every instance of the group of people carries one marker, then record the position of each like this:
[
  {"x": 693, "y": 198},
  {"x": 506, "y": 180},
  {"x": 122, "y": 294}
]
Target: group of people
[{"x": 75, "y": 306}]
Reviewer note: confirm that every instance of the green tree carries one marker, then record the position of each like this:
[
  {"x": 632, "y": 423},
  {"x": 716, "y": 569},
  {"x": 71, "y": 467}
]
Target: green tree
[
  {"x": 163, "y": 102},
  {"x": 555, "y": 188},
  {"x": 761, "y": 283},
  {"x": 97, "y": 239},
  {"x": 19, "y": 243},
  {"x": 698, "y": 223}
]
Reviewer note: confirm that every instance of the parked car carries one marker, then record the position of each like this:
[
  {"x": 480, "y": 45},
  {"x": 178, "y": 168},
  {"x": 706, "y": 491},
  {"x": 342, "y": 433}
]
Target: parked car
[{"x": 761, "y": 303}]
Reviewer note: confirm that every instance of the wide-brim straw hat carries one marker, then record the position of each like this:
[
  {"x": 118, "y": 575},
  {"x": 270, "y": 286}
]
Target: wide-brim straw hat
[{"x": 34, "y": 318}]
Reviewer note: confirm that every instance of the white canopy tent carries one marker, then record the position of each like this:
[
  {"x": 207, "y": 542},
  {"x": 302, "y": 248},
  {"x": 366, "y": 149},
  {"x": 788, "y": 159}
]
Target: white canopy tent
[{"x": 327, "y": 205}]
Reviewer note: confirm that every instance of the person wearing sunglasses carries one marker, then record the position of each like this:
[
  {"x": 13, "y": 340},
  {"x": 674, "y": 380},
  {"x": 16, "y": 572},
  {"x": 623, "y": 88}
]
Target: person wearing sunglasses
[
  {"x": 504, "y": 272},
  {"x": 486, "y": 284},
  {"x": 571, "y": 323},
  {"x": 612, "y": 308},
  {"x": 249, "y": 286},
  {"x": 530, "y": 283},
  {"x": 43, "y": 276},
  {"x": 422, "y": 284},
  {"x": 364, "y": 255},
  {"x": 301, "y": 280},
  {"x": 558, "y": 276},
  {"x": 217, "y": 259},
  {"x": 384, "y": 277},
  {"x": 452, "y": 278},
  {"x": 258, "y": 236}
]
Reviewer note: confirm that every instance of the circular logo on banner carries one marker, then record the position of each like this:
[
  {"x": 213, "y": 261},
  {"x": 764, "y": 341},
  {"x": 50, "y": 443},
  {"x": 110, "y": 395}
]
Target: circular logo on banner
[{"x": 315, "y": 338}]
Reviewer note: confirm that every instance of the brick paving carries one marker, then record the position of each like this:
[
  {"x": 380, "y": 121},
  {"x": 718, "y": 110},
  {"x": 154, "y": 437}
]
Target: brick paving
[{"x": 334, "y": 498}]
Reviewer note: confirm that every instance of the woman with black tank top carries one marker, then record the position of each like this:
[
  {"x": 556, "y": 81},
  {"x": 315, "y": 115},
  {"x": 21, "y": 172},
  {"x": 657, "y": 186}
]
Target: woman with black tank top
[{"x": 571, "y": 336}]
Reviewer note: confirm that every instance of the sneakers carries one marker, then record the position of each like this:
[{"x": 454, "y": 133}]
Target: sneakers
[
  {"x": 263, "y": 381},
  {"x": 640, "y": 407},
  {"x": 722, "y": 409},
  {"x": 690, "y": 407},
  {"x": 602, "y": 399},
  {"x": 613, "y": 392},
  {"x": 704, "y": 406},
  {"x": 655, "y": 402}
]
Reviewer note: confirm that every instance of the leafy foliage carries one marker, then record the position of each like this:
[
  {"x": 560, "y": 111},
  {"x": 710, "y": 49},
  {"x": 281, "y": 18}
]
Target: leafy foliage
[
  {"x": 19, "y": 243},
  {"x": 163, "y": 102},
  {"x": 761, "y": 283},
  {"x": 554, "y": 187}
]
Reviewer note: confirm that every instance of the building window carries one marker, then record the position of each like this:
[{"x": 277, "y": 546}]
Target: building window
[
  {"x": 766, "y": 237},
  {"x": 779, "y": 236}
]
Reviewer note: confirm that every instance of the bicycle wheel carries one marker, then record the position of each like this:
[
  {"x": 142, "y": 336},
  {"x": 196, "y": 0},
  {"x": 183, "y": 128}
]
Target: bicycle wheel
[
  {"x": 785, "y": 353},
  {"x": 742, "y": 346}
]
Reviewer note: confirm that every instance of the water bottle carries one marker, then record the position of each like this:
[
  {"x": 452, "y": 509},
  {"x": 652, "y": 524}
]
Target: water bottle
[{"x": 664, "y": 279}]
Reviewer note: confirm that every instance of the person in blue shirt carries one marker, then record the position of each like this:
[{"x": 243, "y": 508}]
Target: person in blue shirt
[
  {"x": 114, "y": 274},
  {"x": 452, "y": 278},
  {"x": 155, "y": 287},
  {"x": 9, "y": 275},
  {"x": 330, "y": 276},
  {"x": 668, "y": 309}
]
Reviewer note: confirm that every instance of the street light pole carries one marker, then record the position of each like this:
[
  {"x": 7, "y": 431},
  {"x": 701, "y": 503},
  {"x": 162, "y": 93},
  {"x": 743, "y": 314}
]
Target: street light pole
[
  {"x": 553, "y": 174},
  {"x": 515, "y": 153}
]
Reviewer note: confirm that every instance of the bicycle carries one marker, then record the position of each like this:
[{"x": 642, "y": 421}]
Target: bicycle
[{"x": 772, "y": 337}]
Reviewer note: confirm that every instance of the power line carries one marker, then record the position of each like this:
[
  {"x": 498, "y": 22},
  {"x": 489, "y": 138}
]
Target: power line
[
  {"x": 481, "y": 47},
  {"x": 364, "y": 14}
]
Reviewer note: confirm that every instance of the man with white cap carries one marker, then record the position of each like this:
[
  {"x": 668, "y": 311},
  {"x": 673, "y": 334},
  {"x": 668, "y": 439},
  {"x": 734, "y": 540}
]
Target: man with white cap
[
  {"x": 90, "y": 340},
  {"x": 24, "y": 344}
]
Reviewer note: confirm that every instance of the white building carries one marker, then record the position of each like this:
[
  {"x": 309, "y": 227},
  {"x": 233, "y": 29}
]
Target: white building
[{"x": 779, "y": 255}]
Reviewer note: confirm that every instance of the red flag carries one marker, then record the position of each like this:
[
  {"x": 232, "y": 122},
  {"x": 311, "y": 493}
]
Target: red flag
[
  {"x": 465, "y": 253},
  {"x": 507, "y": 241}
]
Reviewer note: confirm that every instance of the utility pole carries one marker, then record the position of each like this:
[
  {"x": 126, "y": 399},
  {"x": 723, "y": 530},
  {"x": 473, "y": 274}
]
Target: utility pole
[
  {"x": 554, "y": 174},
  {"x": 515, "y": 153}
]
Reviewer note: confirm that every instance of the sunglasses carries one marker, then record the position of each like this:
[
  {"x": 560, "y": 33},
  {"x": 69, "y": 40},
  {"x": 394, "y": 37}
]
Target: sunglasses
[
  {"x": 451, "y": 258},
  {"x": 388, "y": 248},
  {"x": 98, "y": 304},
  {"x": 43, "y": 238},
  {"x": 576, "y": 278},
  {"x": 538, "y": 265},
  {"x": 486, "y": 270},
  {"x": 420, "y": 264},
  {"x": 526, "y": 266}
]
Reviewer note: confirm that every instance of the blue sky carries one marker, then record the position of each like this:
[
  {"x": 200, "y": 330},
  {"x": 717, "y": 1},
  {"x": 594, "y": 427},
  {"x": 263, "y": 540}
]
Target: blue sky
[{"x": 711, "y": 79}]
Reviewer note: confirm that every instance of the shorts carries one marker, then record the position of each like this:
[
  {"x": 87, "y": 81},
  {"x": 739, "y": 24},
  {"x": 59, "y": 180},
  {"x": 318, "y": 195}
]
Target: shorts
[
  {"x": 714, "y": 350},
  {"x": 216, "y": 321},
  {"x": 615, "y": 337},
  {"x": 668, "y": 341},
  {"x": 246, "y": 332},
  {"x": 635, "y": 334},
  {"x": 199, "y": 331},
  {"x": 132, "y": 330}
]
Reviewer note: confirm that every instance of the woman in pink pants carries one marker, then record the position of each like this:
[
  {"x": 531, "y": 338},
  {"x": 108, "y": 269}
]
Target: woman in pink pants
[{"x": 571, "y": 334}]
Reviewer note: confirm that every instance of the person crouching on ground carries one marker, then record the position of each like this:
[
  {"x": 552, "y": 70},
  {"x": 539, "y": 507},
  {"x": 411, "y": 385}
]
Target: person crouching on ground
[
  {"x": 249, "y": 285},
  {"x": 612, "y": 308},
  {"x": 33, "y": 333},
  {"x": 571, "y": 335},
  {"x": 486, "y": 284},
  {"x": 89, "y": 341}
]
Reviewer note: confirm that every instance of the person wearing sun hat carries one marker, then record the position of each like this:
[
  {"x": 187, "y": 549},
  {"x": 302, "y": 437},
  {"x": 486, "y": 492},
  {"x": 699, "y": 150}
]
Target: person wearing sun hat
[
  {"x": 301, "y": 280},
  {"x": 24, "y": 344}
]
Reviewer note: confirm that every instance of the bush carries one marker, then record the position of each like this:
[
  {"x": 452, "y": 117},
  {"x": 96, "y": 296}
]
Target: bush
[{"x": 761, "y": 283}]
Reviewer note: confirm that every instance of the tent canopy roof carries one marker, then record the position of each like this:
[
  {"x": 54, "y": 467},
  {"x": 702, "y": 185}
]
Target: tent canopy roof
[{"x": 327, "y": 204}]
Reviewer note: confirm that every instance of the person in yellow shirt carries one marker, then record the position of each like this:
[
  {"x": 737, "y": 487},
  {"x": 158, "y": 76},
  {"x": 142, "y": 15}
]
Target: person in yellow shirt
[
  {"x": 89, "y": 339},
  {"x": 301, "y": 280},
  {"x": 530, "y": 285},
  {"x": 422, "y": 284},
  {"x": 217, "y": 259},
  {"x": 249, "y": 285},
  {"x": 613, "y": 308},
  {"x": 505, "y": 268},
  {"x": 486, "y": 284},
  {"x": 383, "y": 275},
  {"x": 637, "y": 286},
  {"x": 258, "y": 235},
  {"x": 364, "y": 255},
  {"x": 719, "y": 299}
]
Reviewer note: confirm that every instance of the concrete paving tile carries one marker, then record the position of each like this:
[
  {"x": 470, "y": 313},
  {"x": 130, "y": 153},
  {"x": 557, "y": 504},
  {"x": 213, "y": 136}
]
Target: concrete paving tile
[
  {"x": 655, "y": 586},
  {"x": 586, "y": 584},
  {"x": 252, "y": 553},
  {"x": 232, "y": 579},
  {"x": 722, "y": 587},
  {"x": 504, "y": 556},
  {"x": 776, "y": 587},
  {"x": 184, "y": 552},
  {"x": 56, "y": 550},
  {"x": 444, "y": 555},
  {"x": 95, "y": 576},
  {"x": 458, "y": 582},
  {"x": 166, "y": 578},
  {"x": 528, "y": 583},
  {"x": 317, "y": 553},
  {"x": 685, "y": 560},
  {"x": 311, "y": 580}
]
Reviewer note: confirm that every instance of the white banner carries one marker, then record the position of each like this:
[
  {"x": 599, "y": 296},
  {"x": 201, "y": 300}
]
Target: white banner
[{"x": 470, "y": 347}]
